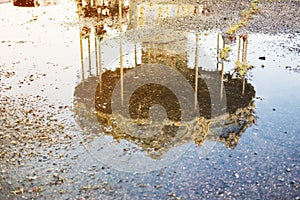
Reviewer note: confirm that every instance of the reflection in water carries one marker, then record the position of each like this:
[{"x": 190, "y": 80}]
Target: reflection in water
[
  {"x": 240, "y": 113},
  {"x": 35, "y": 3},
  {"x": 93, "y": 96}
]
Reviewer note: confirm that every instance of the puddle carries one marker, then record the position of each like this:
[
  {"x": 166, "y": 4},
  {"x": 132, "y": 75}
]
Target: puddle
[
  {"x": 98, "y": 101},
  {"x": 155, "y": 73}
]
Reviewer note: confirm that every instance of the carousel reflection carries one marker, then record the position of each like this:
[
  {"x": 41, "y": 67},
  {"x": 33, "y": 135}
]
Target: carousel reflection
[
  {"x": 93, "y": 96},
  {"x": 240, "y": 114}
]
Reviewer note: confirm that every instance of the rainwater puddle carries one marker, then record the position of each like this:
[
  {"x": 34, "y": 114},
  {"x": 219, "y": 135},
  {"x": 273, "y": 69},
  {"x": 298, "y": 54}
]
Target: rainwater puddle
[{"x": 91, "y": 107}]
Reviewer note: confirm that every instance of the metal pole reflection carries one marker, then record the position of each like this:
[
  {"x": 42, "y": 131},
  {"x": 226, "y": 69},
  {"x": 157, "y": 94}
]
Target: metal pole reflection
[
  {"x": 196, "y": 71},
  {"x": 222, "y": 79},
  {"x": 222, "y": 73},
  {"x": 135, "y": 56},
  {"x": 79, "y": 8},
  {"x": 96, "y": 55},
  {"x": 244, "y": 60},
  {"x": 100, "y": 64},
  {"x": 89, "y": 54},
  {"x": 239, "y": 49},
  {"x": 218, "y": 50},
  {"x": 121, "y": 54},
  {"x": 81, "y": 55}
]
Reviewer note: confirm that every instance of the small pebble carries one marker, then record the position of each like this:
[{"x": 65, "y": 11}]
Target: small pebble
[
  {"x": 262, "y": 58},
  {"x": 55, "y": 175},
  {"x": 236, "y": 175}
]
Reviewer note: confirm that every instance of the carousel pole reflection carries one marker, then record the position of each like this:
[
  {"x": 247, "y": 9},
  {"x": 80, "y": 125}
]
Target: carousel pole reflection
[
  {"x": 222, "y": 79},
  {"x": 222, "y": 72},
  {"x": 121, "y": 54},
  {"x": 100, "y": 64},
  {"x": 244, "y": 60},
  {"x": 218, "y": 50},
  {"x": 81, "y": 55},
  {"x": 79, "y": 8},
  {"x": 135, "y": 25},
  {"x": 89, "y": 54},
  {"x": 239, "y": 58},
  {"x": 96, "y": 55},
  {"x": 135, "y": 56},
  {"x": 196, "y": 71}
]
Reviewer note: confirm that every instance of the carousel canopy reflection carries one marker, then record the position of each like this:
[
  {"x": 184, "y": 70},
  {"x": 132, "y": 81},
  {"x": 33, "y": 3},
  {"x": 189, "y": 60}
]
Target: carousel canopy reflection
[{"x": 93, "y": 96}]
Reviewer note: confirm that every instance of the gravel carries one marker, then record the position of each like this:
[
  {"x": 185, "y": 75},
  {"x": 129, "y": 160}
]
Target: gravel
[{"x": 273, "y": 18}]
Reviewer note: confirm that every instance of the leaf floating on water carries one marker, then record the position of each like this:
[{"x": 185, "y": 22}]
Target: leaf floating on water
[{"x": 224, "y": 53}]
